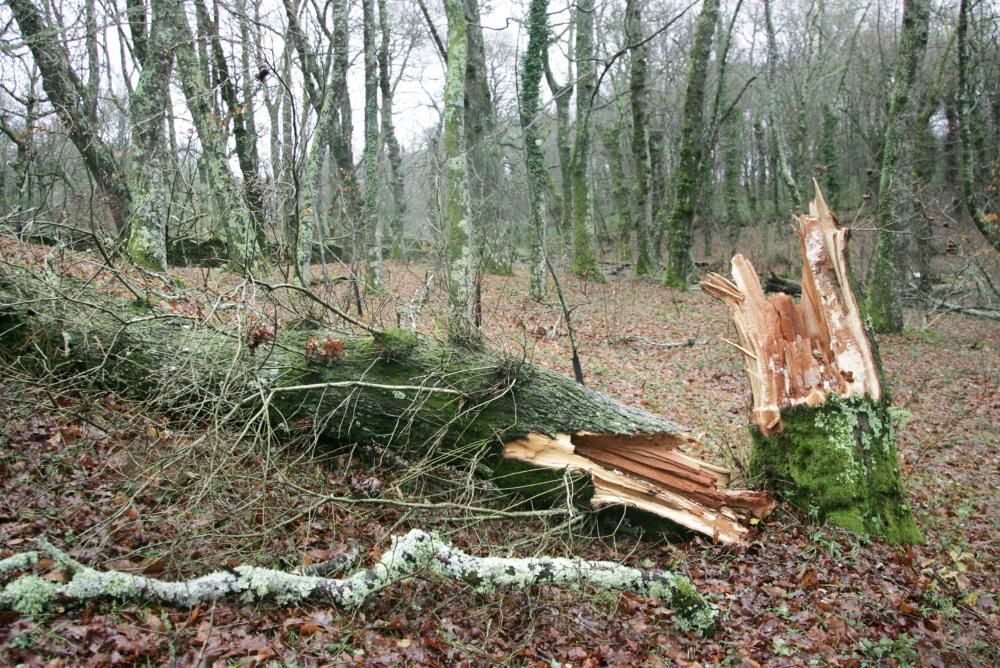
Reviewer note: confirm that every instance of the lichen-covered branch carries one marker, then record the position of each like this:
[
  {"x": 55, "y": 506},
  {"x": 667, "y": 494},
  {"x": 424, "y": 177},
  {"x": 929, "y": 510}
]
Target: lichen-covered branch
[{"x": 416, "y": 552}]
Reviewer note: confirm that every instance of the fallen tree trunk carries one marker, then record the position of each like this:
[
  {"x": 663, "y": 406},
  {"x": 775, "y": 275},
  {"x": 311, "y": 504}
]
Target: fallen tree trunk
[
  {"x": 392, "y": 388},
  {"x": 823, "y": 424},
  {"x": 408, "y": 555}
]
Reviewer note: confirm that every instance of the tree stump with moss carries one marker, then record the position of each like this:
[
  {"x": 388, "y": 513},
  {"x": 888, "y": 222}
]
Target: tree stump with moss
[{"x": 822, "y": 422}]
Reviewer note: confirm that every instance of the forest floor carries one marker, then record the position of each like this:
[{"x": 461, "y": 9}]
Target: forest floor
[{"x": 121, "y": 487}]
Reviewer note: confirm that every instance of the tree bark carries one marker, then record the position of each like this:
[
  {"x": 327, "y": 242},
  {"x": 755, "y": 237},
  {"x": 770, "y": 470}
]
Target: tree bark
[
  {"x": 987, "y": 221},
  {"x": 895, "y": 211},
  {"x": 459, "y": 232},
  {"x": 396, "y": 185},
  {"x": 641, "y": 219},
  {"x": 680, "y": 222},
  {"x": 535, "y": 432},
  {"x": 371, "y": 220},
  {"x": 822, "y": 421},
  {"x": 534, "y": 157},
  {"x": 584, "y": 259},
  {"x": 147, "y": 244}
]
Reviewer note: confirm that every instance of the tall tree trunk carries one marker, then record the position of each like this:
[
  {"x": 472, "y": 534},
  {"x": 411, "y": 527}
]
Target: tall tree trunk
[
  {"x": 346, "y": 182},
  {"x": 620, "y": 192},
  {"x": 895, "y": 210},
  {"x": 780, "y": 166},
  {"x": 531, "y": 78},
  {"x": 584, "y": 259},
  {"x": 561, "y": 96},
  {"x": 680, "y": 222},
  {"x": 984, "y": 216},
  {"x": 493, "y": 235},
  {"x": 237, "y": 223},
  {"x": 732, "y": 165},
  {"x": 641, "y": 220},
  {"x": 147, "y": 243},
  {"x": 66, "y": 93},
  {"x": 396, "y": 187},
  {"x": 371, "y": 220},
  {"x": 459, "y": 231},
  {"x": 829, "y": 158}
]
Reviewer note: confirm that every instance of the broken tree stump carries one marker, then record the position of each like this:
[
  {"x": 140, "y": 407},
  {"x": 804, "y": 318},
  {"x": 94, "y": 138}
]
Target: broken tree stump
[
  {"x": 822, "y": 423},
  {"x": 496, "y": 415}
]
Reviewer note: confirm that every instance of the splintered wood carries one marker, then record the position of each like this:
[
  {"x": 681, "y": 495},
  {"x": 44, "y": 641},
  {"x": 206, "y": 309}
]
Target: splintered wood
[
  {"x": 797, "y": 354},
  {"x": 648, "y": 472}
]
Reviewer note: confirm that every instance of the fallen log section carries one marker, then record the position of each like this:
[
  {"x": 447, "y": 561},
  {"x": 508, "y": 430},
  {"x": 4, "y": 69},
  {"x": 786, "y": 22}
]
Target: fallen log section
[
  {"x": 408, "y": 555},
  {"x": 823, "y": 425},
  {"x": 525, "y": 426}
]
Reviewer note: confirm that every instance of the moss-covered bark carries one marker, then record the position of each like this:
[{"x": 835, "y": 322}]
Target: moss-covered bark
[
  {"x": 680, "y": 222},
  {"x": 838, "y": 463},
  {"x": 584, "y": 258},
  {"x": 531, "y": 78},
  {"x": 147, "y": 244},
  {"x": 459, "y": 231},
  {"x": 396, "y": 389},
  {"x": 895, "y": 211},
  {"x": 371, "y": 220},
  {"x": 641, "y": 219}
]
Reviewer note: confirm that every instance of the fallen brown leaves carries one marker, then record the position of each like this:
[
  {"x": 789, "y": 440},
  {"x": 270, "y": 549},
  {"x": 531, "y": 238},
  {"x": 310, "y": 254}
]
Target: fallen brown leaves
[{"x": 96, "y": 474}]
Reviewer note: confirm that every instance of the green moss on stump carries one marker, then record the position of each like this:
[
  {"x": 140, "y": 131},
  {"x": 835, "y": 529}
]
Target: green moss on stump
[{"x": 838, "y": 463}]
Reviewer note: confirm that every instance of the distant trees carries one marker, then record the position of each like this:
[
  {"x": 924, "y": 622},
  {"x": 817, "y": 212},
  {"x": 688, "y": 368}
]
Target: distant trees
[{"x": 232, "y": 126}]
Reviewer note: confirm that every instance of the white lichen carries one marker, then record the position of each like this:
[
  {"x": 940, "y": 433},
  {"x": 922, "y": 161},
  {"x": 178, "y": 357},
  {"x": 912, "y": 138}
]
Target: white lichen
[{"x": 407, "y": 555}]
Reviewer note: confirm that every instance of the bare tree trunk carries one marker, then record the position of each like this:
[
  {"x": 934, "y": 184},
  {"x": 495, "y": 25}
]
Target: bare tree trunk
[
  {"x": 396, "y": 186},
  {"x": 584, "y": 259},
  {"x": 459, "y": 231},
  {"x": 531, "y": 79},
  {"x": 147, "y": 243},
  {"x": 642, "y": 218},
  {"x": 895, "y": 212},
  {"x": 680, "y": 222},
  {"x": 371, "y": 220}
]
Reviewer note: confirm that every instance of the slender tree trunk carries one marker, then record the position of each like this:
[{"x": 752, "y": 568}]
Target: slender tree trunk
[
  {"x": 641, "y": 220},
  {"x": 986, "y": 221},
  {"x": 779, "y": 147},
  {"x": 237, "y": 223},
  {"x": 561, "y": 96},
  {"x": 147, "y": 243},
  {"x": 584, "y": 259},
  {"x": 829, "y": 158},
  {"x": 680, "y": 222},
  {"x": 396, "y": 186},
  {"x": 459, "y": 231},
  {"x": 531, "y": 79},
  {"x": 732, "y": 151},
  {"x": 895, "y": 210},
  {"x": 494, "y": 238},
  {"x": 621, "y": 194},
  {"x": 372, "y": 220}
]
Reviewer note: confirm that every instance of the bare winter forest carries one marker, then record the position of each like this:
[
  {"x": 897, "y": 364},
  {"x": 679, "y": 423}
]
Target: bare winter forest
[{"x": 525, "y": 332}]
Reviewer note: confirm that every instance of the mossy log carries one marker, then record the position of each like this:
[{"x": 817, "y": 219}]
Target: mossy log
[
  {"x": 822, "y": 420},
  {"x": 520, "y": 423}
]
